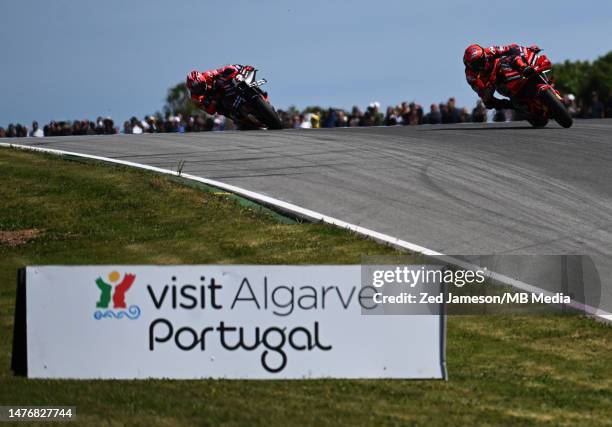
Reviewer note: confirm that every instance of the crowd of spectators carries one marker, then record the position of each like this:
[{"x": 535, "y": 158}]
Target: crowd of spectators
[
  {"x": 106, "y": 126},
  {"x": 312, "y": 117},
  {"x": 402, "y": 114}
]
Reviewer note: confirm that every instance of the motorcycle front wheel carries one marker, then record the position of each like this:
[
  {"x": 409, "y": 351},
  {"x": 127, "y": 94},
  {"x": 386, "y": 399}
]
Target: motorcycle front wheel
[
  {"x": 265, "y": 113},
  {"x": 537, "y": 122},
  {"x": 556, "y": 108}
]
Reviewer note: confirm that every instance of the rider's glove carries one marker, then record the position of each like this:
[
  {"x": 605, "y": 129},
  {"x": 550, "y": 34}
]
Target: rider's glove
[{"x": 528, "y": 72}]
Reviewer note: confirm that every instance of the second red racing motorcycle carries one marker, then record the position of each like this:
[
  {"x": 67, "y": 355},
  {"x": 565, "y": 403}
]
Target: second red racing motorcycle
[{"x": 534, "y": 97}]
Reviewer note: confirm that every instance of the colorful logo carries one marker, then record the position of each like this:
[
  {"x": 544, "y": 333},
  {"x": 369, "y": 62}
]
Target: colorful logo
[{"x": 120, "y": 309}]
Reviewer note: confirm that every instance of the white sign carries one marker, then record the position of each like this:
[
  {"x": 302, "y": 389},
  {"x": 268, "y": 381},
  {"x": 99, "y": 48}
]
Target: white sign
[{"x": 220, "y": 322}]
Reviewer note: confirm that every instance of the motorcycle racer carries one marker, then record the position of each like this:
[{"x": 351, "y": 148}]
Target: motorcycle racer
[
  {"x": 206, "y": 87},
  {"x": 479, "y": 64}
]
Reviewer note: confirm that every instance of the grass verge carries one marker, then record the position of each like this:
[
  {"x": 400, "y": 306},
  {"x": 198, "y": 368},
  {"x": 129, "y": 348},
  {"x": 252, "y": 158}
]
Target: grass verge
[{"x": 545, "y": 370}]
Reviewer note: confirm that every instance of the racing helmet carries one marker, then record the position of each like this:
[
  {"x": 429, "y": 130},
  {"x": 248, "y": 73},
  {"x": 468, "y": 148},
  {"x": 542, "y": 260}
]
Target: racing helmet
[
  {"x": 196, "y": 83},
  {"x": 474, "y": 57}
]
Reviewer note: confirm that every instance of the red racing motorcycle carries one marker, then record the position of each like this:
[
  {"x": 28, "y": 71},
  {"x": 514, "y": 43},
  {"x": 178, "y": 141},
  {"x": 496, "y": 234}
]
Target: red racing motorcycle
[
  {"x": 534, "y": 97},
  {"x": 246, "y": 103}
]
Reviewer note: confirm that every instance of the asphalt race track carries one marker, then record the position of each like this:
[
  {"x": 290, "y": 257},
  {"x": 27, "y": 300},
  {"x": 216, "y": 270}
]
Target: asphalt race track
[{"x": 458, "y": 189}]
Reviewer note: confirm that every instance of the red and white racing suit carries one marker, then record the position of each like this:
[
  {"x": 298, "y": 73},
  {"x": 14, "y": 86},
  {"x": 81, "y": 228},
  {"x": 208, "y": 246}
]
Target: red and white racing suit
[
  {"x": 216, "y": 79},
  {"x": 482, "y": 81}
]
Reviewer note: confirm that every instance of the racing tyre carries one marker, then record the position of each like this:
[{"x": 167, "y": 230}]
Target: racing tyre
[
  {"x": 265, "y": 114},
  {"x": 537, "y": 122},
  {"x": 557, "y": 109}
]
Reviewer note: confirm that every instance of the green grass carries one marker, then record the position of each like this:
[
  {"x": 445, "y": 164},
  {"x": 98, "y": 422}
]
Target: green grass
[{"x": 545, "y": 370}]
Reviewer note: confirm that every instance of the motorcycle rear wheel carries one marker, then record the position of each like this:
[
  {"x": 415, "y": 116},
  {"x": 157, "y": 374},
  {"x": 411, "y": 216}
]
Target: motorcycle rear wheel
[
  {"x": 265, "y": 114},
  {"x": 557, "y": 109}
]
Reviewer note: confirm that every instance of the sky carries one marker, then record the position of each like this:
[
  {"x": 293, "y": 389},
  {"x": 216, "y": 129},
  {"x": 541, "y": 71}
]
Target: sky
[{"x": 77, "y": 59}]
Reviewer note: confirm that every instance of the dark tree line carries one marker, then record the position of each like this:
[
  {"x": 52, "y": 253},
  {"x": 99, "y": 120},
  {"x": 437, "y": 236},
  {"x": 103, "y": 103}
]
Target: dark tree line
[{"x": 590, "y": 82}]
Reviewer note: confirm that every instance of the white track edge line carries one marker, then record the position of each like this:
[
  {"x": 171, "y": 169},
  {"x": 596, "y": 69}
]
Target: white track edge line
[{"x": 316, "y": 216}]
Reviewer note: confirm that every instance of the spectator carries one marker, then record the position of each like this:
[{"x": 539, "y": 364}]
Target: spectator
[
  {"x": 367, "y": 119},
  {"x": 152, "y": 125},
  {"x": 99, "y": 125},
  {"x": 296, "y": 121},
  {"x": 109, "y": 126},
  {"x": 342, "y": 120},
  {"x": 92, "y": 129},
  {"x": 464, "y": 115},
  {"x": 444, "y": 112},
  {"x": 36, "y": 132},
  {"x": 2, "y": 132},
  {"x": 415, "y": 115},
  {"x": 356, "y": 117},
  {"x": 76, "y": 128},
  {"x": 305, "y": 122},
  {"x": 135, "y": 127},
  {"x": 21, "y": 131},
  {"x": 479, "y": 113},
  {"x": 331, "y": 119},
  {"x": 403, "y": 113},
  {"x": 570, "y": 103},
  {"x": 315, "y": 120},
  {"x": 596, "y": 110},
  {"x": 376, "y": 115},
  {"x": 453, "y": 112},
  {"x": 372, "y": 117},
  {"x": 145, "y": 126},
  {"x": 390, "y": 117},
  {"x": 433, "y": 117}
]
